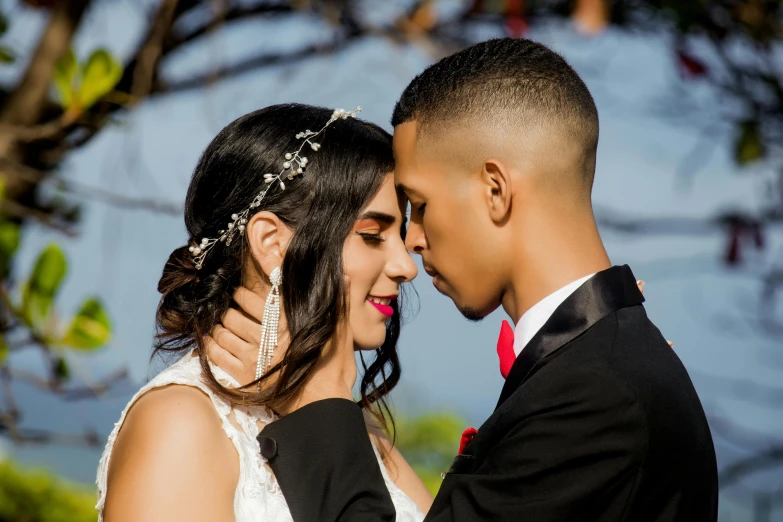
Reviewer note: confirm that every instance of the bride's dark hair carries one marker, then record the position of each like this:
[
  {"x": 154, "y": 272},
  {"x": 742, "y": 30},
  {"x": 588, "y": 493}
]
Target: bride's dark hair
[{"x": 321, "y": 207}]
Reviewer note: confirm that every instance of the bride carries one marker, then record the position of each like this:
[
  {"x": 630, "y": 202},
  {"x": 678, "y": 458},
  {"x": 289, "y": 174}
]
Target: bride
[{"x": 290, "y": 214}]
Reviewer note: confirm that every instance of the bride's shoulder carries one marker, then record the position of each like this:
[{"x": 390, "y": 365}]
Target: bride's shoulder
[
  {"x": 174, "y": 413},
  {"x": 170, "y": 451},
  {"x": 170, "y": 426},
  {"x": 176, "y": 409}
]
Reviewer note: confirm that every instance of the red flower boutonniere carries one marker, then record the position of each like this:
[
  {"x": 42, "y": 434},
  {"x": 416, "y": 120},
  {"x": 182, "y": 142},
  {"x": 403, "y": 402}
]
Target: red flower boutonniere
[{"x": 467, "y": 436}]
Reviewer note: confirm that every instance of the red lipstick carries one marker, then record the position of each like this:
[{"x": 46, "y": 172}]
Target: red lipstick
[{"x": 385, "y": 310}]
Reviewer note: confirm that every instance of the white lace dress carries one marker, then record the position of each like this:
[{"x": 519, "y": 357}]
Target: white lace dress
[{"x": 258, "y": 497}]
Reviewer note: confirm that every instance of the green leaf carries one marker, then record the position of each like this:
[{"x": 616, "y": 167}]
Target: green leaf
[
  {"x": 39, "y": 292},
  {"x": 3, "y": 349},
  {"x": 61, "y": 370},
  {"x": 100, "y": 75},
  {"x": 90, "y": 327},
  {"x": 7, "y": 55},
  {"x": 749, "y": 147},
  {"x": 9, "y": 238},
  {"x": 9, "y": 242},
  {"x": 64, "y": 78},
  {"x": 3, "y": 24}
]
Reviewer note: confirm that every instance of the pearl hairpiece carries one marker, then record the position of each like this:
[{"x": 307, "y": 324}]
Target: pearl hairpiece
[{"x": 293, "y": 165}]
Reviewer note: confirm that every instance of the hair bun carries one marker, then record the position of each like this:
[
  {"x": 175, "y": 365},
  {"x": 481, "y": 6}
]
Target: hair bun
[{"x": 180, "y": 270}]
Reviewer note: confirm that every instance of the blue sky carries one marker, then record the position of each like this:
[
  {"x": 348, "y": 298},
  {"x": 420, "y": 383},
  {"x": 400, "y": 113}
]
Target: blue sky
[{"x": 448, "y": 363}]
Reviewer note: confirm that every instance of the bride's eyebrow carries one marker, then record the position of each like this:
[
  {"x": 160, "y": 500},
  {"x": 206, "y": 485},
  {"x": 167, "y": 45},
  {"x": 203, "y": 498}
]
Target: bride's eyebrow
[{"x": 381, "y": 217}]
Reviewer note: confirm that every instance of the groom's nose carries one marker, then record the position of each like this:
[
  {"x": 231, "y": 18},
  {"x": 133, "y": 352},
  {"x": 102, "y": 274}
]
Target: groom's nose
[{"x": 415, "y": 238}]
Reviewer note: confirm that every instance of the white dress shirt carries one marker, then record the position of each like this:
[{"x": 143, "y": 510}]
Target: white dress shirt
[{"x": 532, "y": 320}]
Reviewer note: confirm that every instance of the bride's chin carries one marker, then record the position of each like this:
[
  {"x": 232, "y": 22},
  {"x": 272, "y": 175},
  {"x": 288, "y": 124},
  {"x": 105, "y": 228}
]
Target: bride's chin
[{"x": 368, "y": 345}]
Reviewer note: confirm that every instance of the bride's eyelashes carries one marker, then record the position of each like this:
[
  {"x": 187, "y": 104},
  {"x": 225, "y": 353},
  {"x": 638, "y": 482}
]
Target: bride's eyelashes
[
  {"x": 372, "y": 238},
  {"x": 372, "y": 224}
]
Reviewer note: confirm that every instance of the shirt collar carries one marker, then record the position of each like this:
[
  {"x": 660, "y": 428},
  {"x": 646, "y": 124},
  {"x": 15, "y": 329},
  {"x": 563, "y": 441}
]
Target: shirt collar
[{"x": 532, "y": 320}]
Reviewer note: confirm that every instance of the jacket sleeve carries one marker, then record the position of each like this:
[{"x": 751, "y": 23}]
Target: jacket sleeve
[
  {"x": 573, "y": 452},
  {"x": 324, "y": 462}
]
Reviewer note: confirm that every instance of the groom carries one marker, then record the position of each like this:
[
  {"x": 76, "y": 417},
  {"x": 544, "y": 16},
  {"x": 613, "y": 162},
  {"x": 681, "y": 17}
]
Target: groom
[{"x": 598, "y": 420}]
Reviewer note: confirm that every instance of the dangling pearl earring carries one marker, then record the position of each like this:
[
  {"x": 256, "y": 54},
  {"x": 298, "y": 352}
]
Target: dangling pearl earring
[{"x": 269, "y": 325}]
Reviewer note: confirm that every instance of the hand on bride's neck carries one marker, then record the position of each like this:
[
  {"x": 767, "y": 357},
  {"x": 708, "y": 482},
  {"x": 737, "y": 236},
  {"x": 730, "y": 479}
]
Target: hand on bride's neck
[{"x": 334, "y": 374}]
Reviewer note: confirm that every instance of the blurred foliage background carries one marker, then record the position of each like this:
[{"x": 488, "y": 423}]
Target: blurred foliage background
[{"x": 57, "y": 101}]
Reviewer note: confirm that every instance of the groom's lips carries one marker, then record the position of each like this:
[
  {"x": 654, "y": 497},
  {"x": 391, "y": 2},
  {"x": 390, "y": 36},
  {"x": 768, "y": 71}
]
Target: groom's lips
[{"x": 432, "y": 273}]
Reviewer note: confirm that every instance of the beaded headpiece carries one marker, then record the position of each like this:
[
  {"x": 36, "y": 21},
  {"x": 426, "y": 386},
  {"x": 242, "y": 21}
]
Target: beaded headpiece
[{"x": 294, "y": 165}]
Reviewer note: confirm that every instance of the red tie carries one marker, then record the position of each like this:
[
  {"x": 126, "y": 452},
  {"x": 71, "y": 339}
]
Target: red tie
[{"x": 506, "y": 349}]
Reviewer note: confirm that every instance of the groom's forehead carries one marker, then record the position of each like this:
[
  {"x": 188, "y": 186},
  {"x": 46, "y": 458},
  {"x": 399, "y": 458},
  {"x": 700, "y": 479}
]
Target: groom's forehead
[
  {"x": 423, "y": 153},
  {"x": 416, "y": 144},
  {"x": 405, "y": 138},
  {"x": 406, "y": 155}
]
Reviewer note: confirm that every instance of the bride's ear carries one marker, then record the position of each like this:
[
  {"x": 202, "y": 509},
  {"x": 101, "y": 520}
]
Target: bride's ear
[{"x": 268, "y": 238}]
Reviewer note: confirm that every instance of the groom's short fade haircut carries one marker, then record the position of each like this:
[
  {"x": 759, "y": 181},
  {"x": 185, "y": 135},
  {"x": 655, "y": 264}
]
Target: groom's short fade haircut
[{"x": 500, "y": 77}]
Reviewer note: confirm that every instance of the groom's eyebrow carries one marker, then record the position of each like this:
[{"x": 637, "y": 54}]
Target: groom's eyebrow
[{"x": 381, "y": 217}]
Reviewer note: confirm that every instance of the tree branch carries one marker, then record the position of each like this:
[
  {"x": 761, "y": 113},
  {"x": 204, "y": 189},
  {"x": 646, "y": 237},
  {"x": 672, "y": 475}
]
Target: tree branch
[
  {"x": 150, "y": 53},
  {"x": 253, "y": 63},
  {"x": 94, "y": 391},
  {"x": 25, "y": 104},
  {"x": 744, "y": 389},
  {"x": 11, "y": 407},
  {"x": 733, "y": 473},
  {"x": 139, "y": 77},
  {"x": 20, "y": 211},
  {"x": 31, "y": 175},
  {"x": 173, "y": 41},
  {"x": 21, "y": 133},
  {"x": 124, "y": 202},
  {"x": 613, "y": 220},
  {"x": 36, "y": 436},
  {"x": 738, "y": 436}
]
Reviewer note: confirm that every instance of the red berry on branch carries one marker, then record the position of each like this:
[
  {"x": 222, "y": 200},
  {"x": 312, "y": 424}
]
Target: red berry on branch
[
  {"x": 514, "y": 8},
  {"x": 733, "y": 252},
  {"x": 691, "y": 66},
  {"x": 516, "y": 26}
]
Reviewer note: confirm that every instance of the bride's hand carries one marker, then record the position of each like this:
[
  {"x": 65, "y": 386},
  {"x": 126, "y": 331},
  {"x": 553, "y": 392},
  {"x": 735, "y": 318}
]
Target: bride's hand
[{"x": 641, "y": 284}]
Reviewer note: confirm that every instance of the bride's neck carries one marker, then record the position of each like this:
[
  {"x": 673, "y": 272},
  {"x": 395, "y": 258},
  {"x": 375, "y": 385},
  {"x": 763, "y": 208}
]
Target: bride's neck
[{"x": 333, "y": 376}]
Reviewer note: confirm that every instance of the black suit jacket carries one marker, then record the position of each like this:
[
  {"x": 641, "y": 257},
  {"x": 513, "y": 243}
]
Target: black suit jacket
[{"x": 597, "y": 421}]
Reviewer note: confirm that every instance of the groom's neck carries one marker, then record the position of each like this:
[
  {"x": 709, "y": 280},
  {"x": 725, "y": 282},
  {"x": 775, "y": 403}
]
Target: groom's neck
[{"x": 549, "y": 255}]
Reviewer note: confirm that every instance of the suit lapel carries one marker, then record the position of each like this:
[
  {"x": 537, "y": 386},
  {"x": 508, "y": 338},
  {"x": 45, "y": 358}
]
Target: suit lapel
[{"x": 602, "y": 294}]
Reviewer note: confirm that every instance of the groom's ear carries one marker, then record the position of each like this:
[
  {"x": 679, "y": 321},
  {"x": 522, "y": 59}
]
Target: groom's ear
[
  {"x": 496, "y": 182},
  {"x": 268, "y": 238}
]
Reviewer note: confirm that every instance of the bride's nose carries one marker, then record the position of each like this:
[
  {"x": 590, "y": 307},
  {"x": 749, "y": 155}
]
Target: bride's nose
[{"x": 400, "y": 266}]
